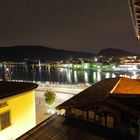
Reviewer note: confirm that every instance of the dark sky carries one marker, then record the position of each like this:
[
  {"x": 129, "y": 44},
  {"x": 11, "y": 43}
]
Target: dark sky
[{"x": 85, "y": 25}]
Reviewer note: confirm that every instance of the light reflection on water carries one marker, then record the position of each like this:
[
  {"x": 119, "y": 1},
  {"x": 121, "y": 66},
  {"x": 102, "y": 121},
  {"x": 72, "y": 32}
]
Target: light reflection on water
[
  {"x": 98, "y": 76},
  {"x": 61, "y": 75},
  {"x": 86, "y": 80},
  {"x": 75, "y": 76}
]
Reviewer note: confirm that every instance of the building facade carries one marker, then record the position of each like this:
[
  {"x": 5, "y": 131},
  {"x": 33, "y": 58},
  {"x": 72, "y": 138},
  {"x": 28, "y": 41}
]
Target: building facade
[
  {"x": 111, "y": 103},
  {"x": 17, "y": 109}
]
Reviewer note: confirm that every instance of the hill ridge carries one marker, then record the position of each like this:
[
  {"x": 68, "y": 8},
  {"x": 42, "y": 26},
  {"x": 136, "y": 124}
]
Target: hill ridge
[
  {"x": 21, "y": 52},
  {"x": 115, "y": 52}
]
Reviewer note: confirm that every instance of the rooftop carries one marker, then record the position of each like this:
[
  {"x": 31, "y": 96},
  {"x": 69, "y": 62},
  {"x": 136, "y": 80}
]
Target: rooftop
[
  {"x": 102, "y": 90},
  {"x": 8, "y": 88},
  {"x": 57, "y": 128}
]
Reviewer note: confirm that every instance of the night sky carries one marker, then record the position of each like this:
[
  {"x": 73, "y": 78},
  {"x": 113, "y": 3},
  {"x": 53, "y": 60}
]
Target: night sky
[{"x": 80, "y": 25}]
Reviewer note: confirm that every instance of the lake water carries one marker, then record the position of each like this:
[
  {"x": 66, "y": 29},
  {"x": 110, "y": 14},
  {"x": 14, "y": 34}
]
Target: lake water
[{"x": 60, "y": 75}]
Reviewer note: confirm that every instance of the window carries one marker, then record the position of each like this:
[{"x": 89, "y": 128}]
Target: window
[
  {"x": 4, "y": 120},
  {"x": 110, "y": 121},
  {"x": 91, "y": 115}
]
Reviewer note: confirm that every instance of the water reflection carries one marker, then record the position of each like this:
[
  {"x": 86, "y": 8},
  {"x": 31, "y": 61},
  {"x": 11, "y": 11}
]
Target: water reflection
[
  {"x": 98, "y": 76},
  {"x": 69, "y": 76},
  {"x": 86, "y": 77},
  {"x": 53, "y": 74},
  {"x": 40, "y": 73},
  {"x": 75, "y": 76},
  {"x": 113, "y": 75},
  {"x": 107, "y": 75},
  {"x": 94, "y": 77}
]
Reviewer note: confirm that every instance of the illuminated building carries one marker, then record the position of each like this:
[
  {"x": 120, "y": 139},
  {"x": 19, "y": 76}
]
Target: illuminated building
[
  {"x": 109, "y": 109},
  {"x": 17, "y": 109},
  {"x": 112, "y": 103}
]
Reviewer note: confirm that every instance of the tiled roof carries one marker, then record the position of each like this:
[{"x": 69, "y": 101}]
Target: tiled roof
[
  {"x": 57, "y": 128},
  {"x": 8, "y": 89},
  {"x": 127, "y": 86},
  {"x": 101, "y": 90}
]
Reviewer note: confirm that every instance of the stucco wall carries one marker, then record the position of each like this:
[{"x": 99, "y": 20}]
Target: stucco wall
[{"x": 22, "y": 115}]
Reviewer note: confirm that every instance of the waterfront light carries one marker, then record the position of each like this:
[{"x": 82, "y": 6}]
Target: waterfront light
[
  {"x": 95, "y": 59},
  {"x": 65, "y": 65},
  {"x": 85, "y": 65},
  {"x": 61, "y": 69}
]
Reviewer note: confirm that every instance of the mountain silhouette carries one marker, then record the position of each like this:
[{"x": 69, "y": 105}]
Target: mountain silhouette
[
  {"x": 20, "y": 53},
  {"x": 115, "y": 52}
]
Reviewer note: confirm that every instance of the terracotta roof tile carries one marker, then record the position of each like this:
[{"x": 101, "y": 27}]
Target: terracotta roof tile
[
  {"x": 95, "y": 93},
  {"x": 127, "y": 86},
  {"x": 101, "y": 90}
]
